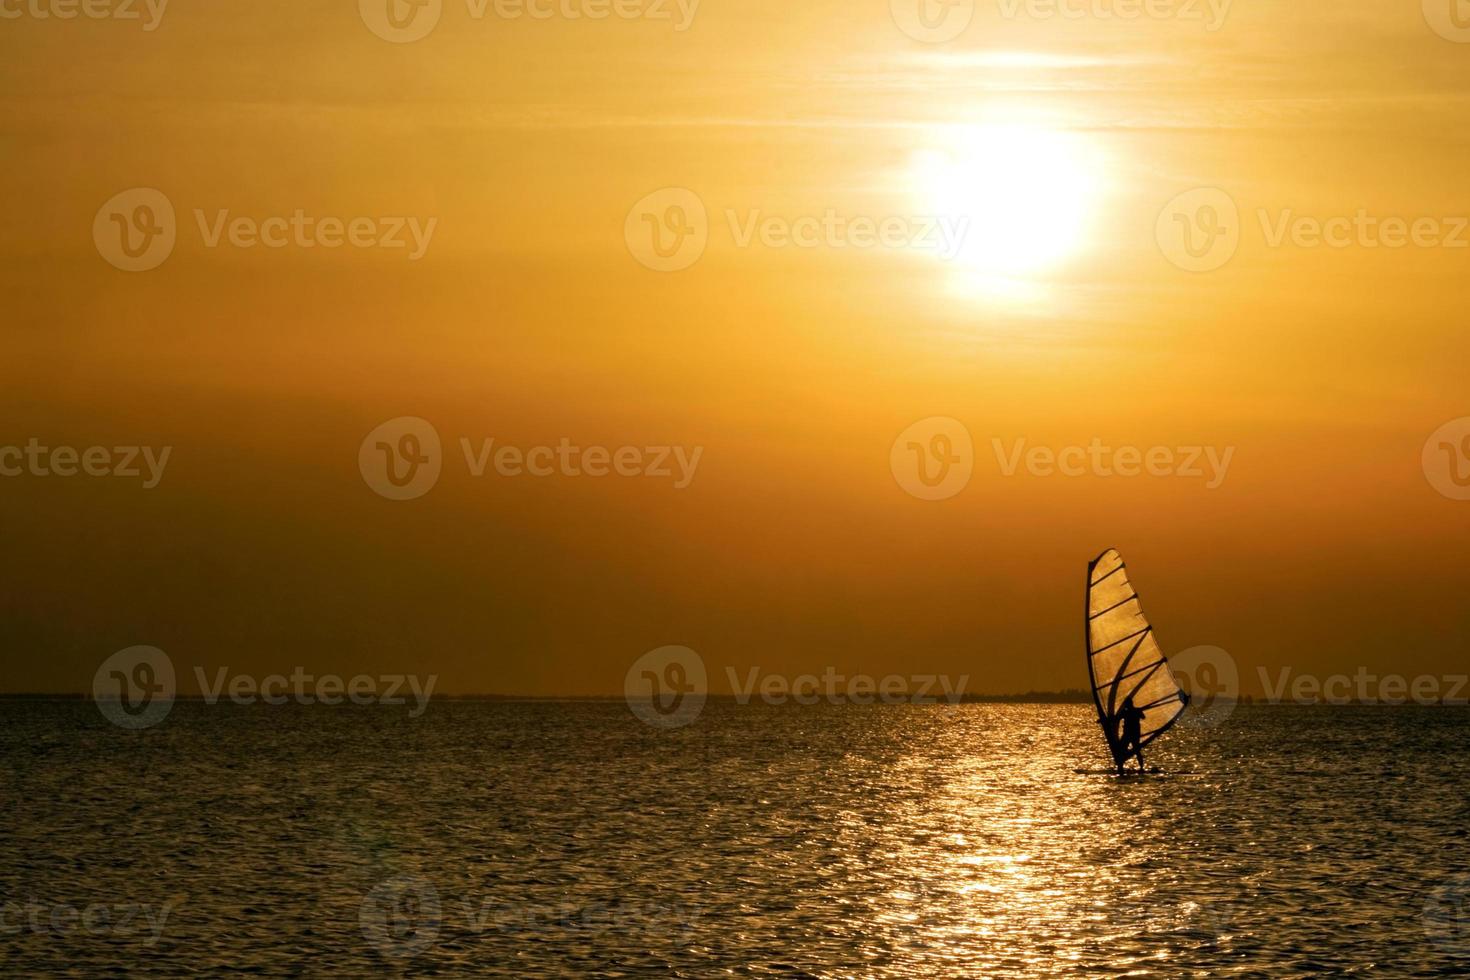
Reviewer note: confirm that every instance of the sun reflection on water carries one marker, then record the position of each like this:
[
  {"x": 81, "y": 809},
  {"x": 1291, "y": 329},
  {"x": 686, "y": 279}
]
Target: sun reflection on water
[{"x": 1010, "y": 863}]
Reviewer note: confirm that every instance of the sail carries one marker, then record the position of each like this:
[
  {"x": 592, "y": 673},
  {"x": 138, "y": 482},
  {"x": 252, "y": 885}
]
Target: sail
[{"x": 1124, "y": 657}]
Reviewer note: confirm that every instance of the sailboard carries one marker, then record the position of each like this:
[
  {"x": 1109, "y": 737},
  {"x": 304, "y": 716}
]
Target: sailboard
[{"x": 1124, "y": 660}]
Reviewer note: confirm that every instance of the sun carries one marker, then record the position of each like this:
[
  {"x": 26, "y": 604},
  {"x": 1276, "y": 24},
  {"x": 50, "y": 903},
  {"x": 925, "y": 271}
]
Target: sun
[{"x": 1026, "y": 194}]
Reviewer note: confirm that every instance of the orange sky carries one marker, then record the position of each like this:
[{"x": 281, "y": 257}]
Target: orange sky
[{"x": 528, "y": 319}]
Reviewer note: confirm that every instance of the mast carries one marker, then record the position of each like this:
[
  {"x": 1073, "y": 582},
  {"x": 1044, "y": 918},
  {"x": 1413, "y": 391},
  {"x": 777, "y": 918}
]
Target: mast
[{"x": 1103, "y": 721}]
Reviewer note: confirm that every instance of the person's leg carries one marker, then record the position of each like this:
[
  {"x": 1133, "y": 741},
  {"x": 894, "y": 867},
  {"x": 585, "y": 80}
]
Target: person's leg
[{"x": 1141, "y": 767}]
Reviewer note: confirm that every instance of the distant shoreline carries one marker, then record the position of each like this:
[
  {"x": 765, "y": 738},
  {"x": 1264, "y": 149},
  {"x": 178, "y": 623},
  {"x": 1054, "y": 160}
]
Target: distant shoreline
[{"x": 1030, "y": 697}]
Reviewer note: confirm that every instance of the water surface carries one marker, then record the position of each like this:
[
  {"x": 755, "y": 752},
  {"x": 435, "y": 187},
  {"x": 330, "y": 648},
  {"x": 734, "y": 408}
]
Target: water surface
[{"x": 548, "y": 839}]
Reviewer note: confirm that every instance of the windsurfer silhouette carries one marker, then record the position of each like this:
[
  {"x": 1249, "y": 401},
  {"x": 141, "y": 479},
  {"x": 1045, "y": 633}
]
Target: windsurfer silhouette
[{"x": 1132, "y": 718}]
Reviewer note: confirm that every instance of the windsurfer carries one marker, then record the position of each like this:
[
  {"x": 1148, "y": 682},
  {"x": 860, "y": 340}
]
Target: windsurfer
[{"x": 1132, "y": 719}]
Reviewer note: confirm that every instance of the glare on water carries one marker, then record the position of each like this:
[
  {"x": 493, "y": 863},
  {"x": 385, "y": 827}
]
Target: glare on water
[{"x": 835, "y": 841}]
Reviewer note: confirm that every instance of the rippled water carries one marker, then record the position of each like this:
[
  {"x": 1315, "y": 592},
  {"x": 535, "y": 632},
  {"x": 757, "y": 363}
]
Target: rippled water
[{"x": 842, "y": 841}]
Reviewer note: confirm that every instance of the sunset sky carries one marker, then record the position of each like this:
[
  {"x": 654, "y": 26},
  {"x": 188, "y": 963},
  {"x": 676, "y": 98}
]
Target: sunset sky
[{"x": 530, "y": 319}]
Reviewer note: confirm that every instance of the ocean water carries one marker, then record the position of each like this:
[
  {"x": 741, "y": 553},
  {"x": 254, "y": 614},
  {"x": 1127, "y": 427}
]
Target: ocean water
[{"x": 564, "y": 839}]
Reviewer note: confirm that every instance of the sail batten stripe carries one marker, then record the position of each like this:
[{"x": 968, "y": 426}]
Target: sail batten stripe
[
  {"x": 1124, "y": 639},
  {"x": 1120, "y": 678},
  {"x": 1153, "y": 669},
  {"x": 1114, "y": 606}
]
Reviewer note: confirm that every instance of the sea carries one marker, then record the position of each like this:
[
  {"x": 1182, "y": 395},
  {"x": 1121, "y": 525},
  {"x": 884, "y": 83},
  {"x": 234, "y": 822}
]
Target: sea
[{"x": 563, "y": 839}]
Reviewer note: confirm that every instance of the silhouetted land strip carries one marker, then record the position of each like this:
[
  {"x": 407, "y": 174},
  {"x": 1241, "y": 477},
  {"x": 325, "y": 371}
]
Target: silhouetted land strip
[{"x": 1070, "y": 696}]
